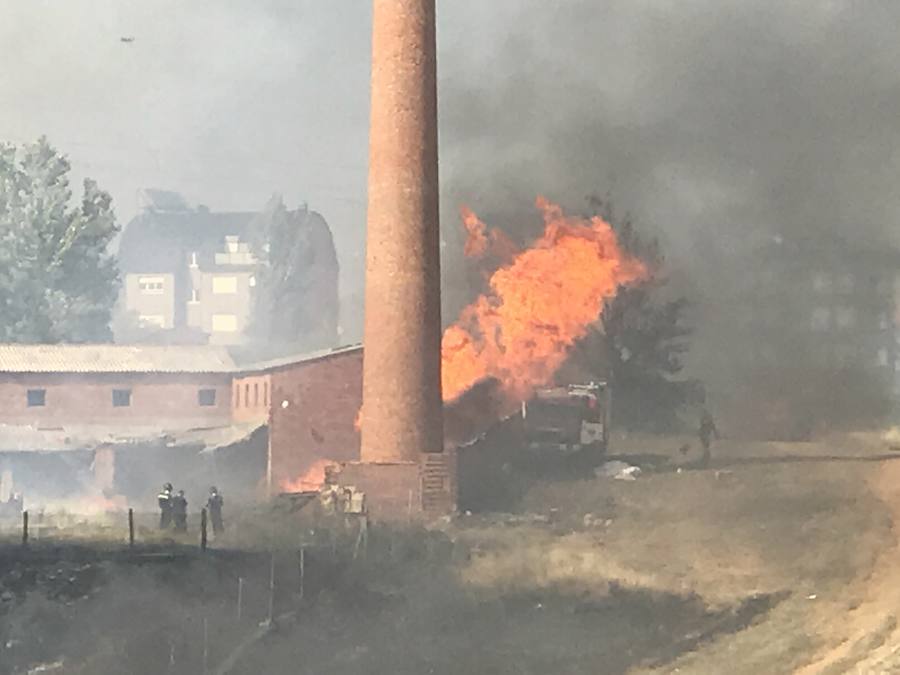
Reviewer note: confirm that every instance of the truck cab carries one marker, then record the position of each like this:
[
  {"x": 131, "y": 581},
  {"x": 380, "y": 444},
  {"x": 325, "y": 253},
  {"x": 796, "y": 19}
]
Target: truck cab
[{"x": 568, "y": 420}]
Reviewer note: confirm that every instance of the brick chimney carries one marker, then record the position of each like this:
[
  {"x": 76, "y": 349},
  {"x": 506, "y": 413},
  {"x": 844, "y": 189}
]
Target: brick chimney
[{"x": 402, "y": 407}]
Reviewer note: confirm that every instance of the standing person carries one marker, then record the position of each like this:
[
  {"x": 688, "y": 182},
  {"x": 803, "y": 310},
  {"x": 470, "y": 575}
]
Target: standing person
[
  {"x": 164, "y": 498},
  {"x": 179, "y": 511},
  {"x": 214, "y": 506},
  {"x": 707, "y": 433}
]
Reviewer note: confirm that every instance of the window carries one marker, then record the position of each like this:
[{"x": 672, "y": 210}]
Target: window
[
  {"x": 206, "y": 397},
  {"x": 222, "y": 285},
  {"x": 121, "y": 398},
  {"x": 152, "y": 321},
  {"x": 237, "y": 396},
  {"x": 37, "y": 398},
  {"x": 246, "y": 395},
  {"x": 266, "y": 394},
  {"x": 195, "y": 296},
  {"x": 232, "y": 244},
  {"x": 151, "y": 285},
  {"x": 224, "y": 323},
  {"x": 194, "y": 259},
  {"x": 256, "y": 394}
]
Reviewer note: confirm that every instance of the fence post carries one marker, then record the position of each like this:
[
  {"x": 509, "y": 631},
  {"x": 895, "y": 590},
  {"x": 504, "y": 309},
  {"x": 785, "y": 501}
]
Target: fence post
[
  {"x": 24, "y": 528},
  {"x": 272, "y": 590},
  {"x": 302, "y": 569},
  {"x": 240, "y": 598},
  {"x": 203, "y": 529},
  {"x": 131, "y": 528},
  {"x": 205, "y": 646}
]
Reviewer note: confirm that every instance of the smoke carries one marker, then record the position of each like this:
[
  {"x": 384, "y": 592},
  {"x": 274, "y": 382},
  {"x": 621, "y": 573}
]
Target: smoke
[
  {"x": 716, "y": 124},
  {"x": 702, "y": 118},
  {"x": 721, "y": 127}
]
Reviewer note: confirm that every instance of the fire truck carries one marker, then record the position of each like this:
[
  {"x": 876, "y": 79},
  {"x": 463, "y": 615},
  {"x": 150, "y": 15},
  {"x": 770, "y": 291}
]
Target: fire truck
[{"x": 568, "y": 420}]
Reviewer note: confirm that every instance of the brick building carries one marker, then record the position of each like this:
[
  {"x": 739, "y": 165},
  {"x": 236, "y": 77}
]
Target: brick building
[
  {"x": 47, "y": 386},
  {"x": 194, "y": 416},
  {"x": 310, "y": 403},
  {"x": 189, "y": 273},
  {"x": 190, "y": 411}
]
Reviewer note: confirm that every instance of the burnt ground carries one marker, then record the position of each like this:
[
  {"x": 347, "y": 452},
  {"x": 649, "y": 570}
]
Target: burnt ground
[{"x": 753, "y": 565}]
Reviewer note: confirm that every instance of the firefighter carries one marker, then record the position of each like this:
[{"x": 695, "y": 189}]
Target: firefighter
[
  {"x": 707, "y": 432},
  {"x": 179, "y": 511},
  {"x": 164, "y": 498},
  {"x": 214, "y": 506}
]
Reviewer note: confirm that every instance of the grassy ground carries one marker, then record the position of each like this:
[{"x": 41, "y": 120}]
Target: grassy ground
[{"x": 777, "y": 558}]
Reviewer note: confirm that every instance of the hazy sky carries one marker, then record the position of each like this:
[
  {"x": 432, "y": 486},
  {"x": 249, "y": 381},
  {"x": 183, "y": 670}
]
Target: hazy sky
[{"x": 702, "y": 117}]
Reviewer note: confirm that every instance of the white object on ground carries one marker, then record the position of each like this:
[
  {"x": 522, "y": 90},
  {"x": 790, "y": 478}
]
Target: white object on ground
[{"x": 618, "y": 470}]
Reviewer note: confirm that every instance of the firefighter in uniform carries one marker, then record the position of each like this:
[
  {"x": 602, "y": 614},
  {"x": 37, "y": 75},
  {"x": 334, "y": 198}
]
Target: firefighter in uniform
[
  {"x": 179, "y": 511},
  {"x": 164, "y": 498},
  {"x": 707, "y": 433},
  {"x": 214, "y": 506}
]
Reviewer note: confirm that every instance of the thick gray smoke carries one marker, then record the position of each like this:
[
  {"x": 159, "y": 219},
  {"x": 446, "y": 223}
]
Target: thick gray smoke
[
  {"x": 720, "y": 126},
  {"x": 704, "y": 119},
  {"x": 716, "y": 124}
]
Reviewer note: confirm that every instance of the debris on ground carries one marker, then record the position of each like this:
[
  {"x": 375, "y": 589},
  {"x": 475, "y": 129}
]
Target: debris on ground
[{"x": 618, "y": 470}]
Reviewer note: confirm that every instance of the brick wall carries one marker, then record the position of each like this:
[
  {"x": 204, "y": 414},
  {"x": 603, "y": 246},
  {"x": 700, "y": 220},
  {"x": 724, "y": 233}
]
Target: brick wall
[
  {"x": 250, "y": 397},
  {"x": 313, "y": 414},
  {"x": 393, "y": 490},
  {"x": 156, "y": 399}
]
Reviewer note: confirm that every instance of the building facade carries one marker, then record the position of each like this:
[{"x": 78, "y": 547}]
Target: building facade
[
  {"x": 805, "y": 338},
  {"x": 188, "y": 274},
  {"x": 53, "y": 386}
]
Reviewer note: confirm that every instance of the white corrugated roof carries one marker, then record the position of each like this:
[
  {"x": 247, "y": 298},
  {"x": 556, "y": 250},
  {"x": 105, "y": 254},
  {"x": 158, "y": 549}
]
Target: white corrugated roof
[
  {"x": 25, "y": 438},
  {"x": 18, "y": 358},
  {"x": 270, "y": 364}
]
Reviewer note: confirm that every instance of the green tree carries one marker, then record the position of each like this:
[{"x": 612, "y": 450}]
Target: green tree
[
  {"x": 58, "y": 281},
  {"x": 295, "y": 303},
  {"x": 642, "y": 339}
]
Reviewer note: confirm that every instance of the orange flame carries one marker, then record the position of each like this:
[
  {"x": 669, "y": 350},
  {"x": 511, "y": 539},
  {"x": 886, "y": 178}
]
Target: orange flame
[
  {"x": 481, "y": 242},
  {"x": 312, "y": 480},
  {"x": 539, "y": 304}
]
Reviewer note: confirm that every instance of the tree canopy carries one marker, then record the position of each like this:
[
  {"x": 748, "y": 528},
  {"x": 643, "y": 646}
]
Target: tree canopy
[
  {"x": 642, "y": 338},
  {"x": 58, "y": 281},
  {"x": 296, "y": 294}
]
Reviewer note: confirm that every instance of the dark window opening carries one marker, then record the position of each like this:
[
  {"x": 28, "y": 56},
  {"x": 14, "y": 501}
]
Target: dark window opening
[
  {"x": 237, "y": 396},
  {"x": 266, "y": 394},
  {"x": 206, "y": 397},
  {"x": 37, "y": 398},
  {"x": 247, "y": 395},
  {"x": 256, "y": 394},
  {"x": 121, "y": 398}
]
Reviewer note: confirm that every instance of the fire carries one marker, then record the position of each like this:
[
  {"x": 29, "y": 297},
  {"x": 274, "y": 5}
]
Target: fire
[
  {"x": 539, "y": 303},
  {"x": 481, "y": 242},
  {"x": 312, "y": 480}
]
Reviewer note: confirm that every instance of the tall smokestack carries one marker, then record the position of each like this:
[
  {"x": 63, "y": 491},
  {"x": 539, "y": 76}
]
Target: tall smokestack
[{"x": 402, "y": 407}]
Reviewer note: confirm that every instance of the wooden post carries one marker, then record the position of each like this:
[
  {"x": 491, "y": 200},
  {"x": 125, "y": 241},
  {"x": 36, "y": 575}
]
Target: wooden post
[
  {"x": 205, "y": 646},
  {"x": 24, "y": 528},
  {"x": 203, "y": 529},
  {"x": 240, "y": 597},
  {"x": 272, "y": 589},
  {"x": 131, "y": 528},
  {"x": 302, "y": 568}
]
